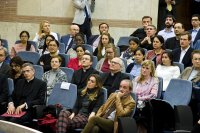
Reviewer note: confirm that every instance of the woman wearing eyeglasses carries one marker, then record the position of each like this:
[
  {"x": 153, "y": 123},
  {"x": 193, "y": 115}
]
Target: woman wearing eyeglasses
[{"x": 104, "y": 64}]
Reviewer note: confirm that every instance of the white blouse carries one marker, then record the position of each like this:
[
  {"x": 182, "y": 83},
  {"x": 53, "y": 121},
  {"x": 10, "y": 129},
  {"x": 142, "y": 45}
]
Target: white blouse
[{"x": 167, "y": 73}]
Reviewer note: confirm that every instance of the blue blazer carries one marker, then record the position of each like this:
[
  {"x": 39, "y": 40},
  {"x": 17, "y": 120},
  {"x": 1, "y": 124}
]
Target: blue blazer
[
  {"x": 197, "y": 45},
  {"x": 64, "y": 39},
  {"x": 197, "y": 36}
]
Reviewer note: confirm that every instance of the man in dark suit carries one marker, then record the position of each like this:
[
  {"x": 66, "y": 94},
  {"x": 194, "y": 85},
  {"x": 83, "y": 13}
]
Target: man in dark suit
[
  {"x": 3, "y": 93},
  {"x": 195, "y": 31},
  {"x": 183, "y": 54},
  {"x": 94, "y": 39},
  {"x": 27, "y": 93},
  {"x": 80, "y": 76},
  {"x": 111, "y": 81},
  {"x": 4, "y": 68},
  {"x": 174, "y": 42},
  {"x": 140, "y": 32},
  {"x": 68, "y": 39}
]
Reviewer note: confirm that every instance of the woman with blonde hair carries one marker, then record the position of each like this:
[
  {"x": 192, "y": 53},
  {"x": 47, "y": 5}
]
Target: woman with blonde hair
[
  {"x": 88, "y": 102},
  {"x": 44, "y": 30},
  {"x": 145, "y": 86},
  {"x": 104, "y": 41}
]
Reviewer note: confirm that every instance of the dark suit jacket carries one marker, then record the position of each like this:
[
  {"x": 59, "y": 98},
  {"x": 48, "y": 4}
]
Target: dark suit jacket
[
  {"x": 115, "y": 86},
  {"x": 187, "y": 61},
  {"x": 79, "y": 77},
  {"x": 5, "y": 69},
  {"x": 34, "y": 96},
  {"x": 94, "y": 37},
  {"x": 197, "y": 36},
  {"x": 140, "y": 33},
  {"x": 3, "y": 89},
  {"x": 172, "y": 43}
]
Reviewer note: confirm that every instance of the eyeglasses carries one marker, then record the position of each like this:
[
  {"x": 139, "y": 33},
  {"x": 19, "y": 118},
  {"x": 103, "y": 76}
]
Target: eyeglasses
[
  {"x": 113, "y": 62},
  {"x": 26, "y": 71}
]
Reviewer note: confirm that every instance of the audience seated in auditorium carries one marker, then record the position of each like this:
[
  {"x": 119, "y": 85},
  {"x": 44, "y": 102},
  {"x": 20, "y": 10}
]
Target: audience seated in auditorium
[
  {"x": 104, "y": 41},
  {"x": 80, "y": 76},
  {"x": 45, "y": 59},
  {"x": 183, "y": 54},
  {"x": 3, "y": 93},
  {"x": 195, "y": 31},
  {"x": 24, "y": 45},
  {"x": 104, "y": 64},
  {"x": 129, "y": 53},
  {"x": 166, "y": 69},
  {"x": 55, "y": 75},
  {"x": 174, "y": 42},
  {"x": 135, "y": 67},
  {"x": 28, "y": 92},
  {"x": 68, "y": 39},
  {"x": 45, "y": 50},
  {"x": 145, "y": 86},
  {"x": 88, "y": 102},
  {"x": 94, "y": 40},
  {"x": 4, "y": 67},
  {"x": 147, "y": 42},
  {"x": 75, "y": 63},
  {"x": 158, "y": 49},
  {"x": 44, "y": 29},
  {"x": 78, "y": 40},
  {"x": 168, "y": 31},
  {"x": 111, "y": 80},
  {"x": 16, "y": 69},
  {"x": 140, "y": 32},
  {"x": 119, "y": 104}
]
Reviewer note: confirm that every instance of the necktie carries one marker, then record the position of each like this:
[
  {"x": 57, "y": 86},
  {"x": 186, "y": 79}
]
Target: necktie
[
  {"x": 70, "y": 45},
  {"x": 86, "y": 12}
]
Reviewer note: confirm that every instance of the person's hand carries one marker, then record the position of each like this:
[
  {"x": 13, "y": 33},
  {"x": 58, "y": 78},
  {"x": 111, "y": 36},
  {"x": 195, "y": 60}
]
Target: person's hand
[
  {"x": 41, "y": 63},
  {"x": 91, "y": 115},
  {"x": 42, "y": 35},
  {"x": 19, "y": 109},
  {"x": 120, "y": 94},
  {"x": 11, "y": 109},
  {"x": 72, "y": 116}
]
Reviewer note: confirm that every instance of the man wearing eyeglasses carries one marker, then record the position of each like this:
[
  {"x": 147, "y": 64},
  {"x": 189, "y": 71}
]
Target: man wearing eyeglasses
[
  {"x": 4, "y": 68},
  {"x": 111, "y": 80},
  {"x": 27, "y": 93},
  {"x": 147, "y": 42}
]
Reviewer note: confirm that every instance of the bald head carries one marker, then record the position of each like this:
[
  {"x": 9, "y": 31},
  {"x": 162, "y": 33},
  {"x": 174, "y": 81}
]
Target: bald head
[{"x": 74, "y": 29}]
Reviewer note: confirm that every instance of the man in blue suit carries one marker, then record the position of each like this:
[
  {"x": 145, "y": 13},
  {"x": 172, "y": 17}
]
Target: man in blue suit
[
  {"x": 68, "y": 39},
  {"x": 195, "y": 32}
]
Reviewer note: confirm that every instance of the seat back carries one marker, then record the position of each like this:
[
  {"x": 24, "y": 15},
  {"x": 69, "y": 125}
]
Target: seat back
[
  {"x": 31, "y": 42},
  {"x": 127, "y": 125},
  {"x": 10, "y": 86},
  {"x": 180, "y": 65},
  {"x": 89, "y": 48},
  {"x": 69, "y": 72},
  {"x": 61, "y": 47},
  {"x": 39, "y": 71},
  {"x": 105, "y": 94},
  {"x": 5, "y": 43},
  {"x": 160, "y": 87},
  {"x": 95, "y": 60},
  {"x": 134, "y": 96},
  {"x": 65, "y": 97},
  {"x": 66, "y": 57},
  {"x": 124, "y": 41},
  {"x": 29, "y": 56},
  {"x": 58, "y": 35},
  {"x": 178, "y": 92},
  {"x": 130, "y": 76}
]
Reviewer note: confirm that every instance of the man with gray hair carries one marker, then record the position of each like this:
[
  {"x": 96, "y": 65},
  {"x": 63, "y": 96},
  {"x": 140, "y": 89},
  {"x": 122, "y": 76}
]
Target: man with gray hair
[
  {"x": 4, "y": 67},
  {"x": 28, "y": 92},
  {"x": 111, "y": 80}
]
